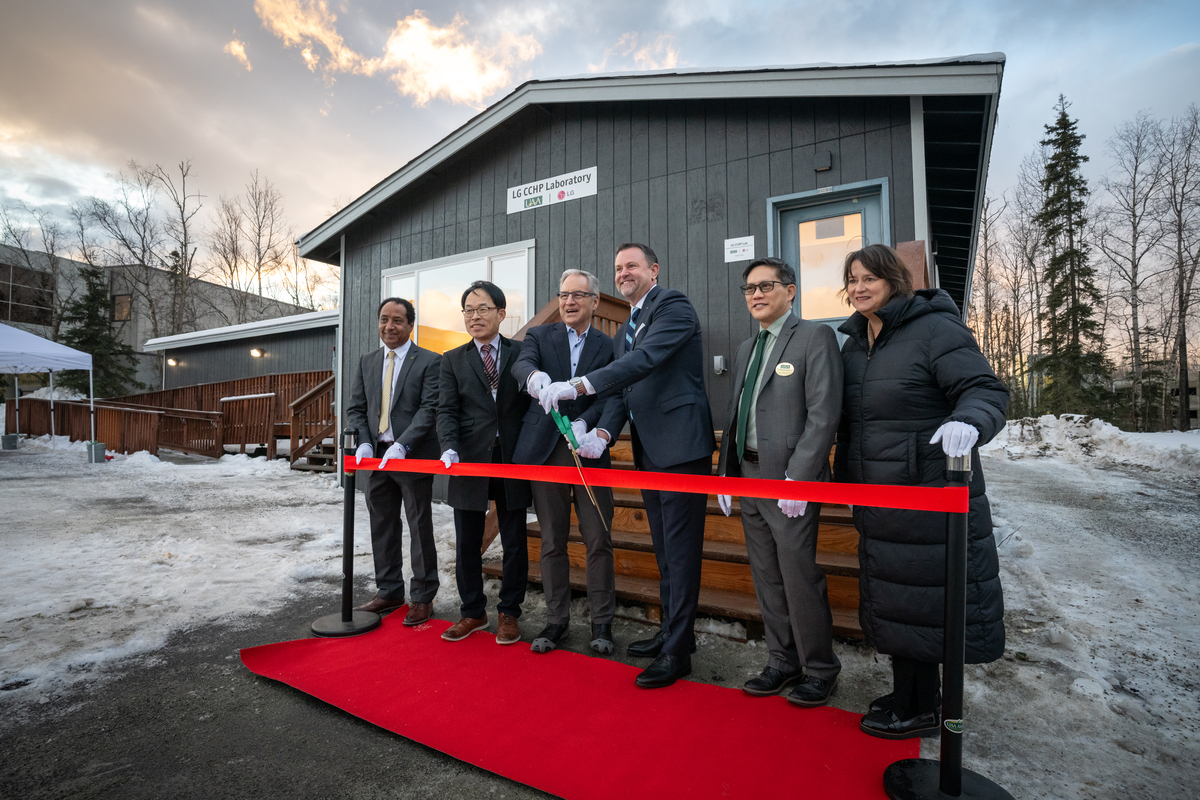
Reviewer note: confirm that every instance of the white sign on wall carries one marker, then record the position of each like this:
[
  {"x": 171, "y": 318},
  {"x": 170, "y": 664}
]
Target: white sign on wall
[
  {"x": 741, "y": 249},
  {"x": 558, "y": 189}
]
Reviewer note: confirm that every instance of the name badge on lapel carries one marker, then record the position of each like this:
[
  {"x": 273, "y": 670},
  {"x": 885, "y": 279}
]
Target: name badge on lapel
[{"x": 784, "y": 369}]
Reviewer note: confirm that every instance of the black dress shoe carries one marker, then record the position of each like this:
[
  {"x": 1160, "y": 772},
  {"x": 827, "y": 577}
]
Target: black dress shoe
[
  {"x": 664, "y": 671},
  {"x": 650, "y": 648},
  {"x": 602, "y": 639},
  {"x": 812, "y": 691},
  {"x": 549, "y": 638},
  {"x": 771, "y": 681},
  {"x": 885, "y": 703},
  {"x": 888, "y": 725}
]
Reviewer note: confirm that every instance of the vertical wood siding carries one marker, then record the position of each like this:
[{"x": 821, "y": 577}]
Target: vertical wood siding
[
  {"x": 298, "y": 351},
  {"x": 681, "y": 176}
]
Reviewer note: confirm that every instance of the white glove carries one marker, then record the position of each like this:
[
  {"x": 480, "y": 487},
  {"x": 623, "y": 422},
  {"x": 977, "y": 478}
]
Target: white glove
[
  {"x": 957, "y": 438},
  {"x": 554, "y": 394},
  {"x": 590, "y": 444},
  {"x": 395, "y": 451},
  {"x": 449, "y": 457},
  {"x": 537, "y": 381},
  {"x": 725, "y": 501},
  {"x": 364, "y": 451},
  {"x": 793, "y": 508}
]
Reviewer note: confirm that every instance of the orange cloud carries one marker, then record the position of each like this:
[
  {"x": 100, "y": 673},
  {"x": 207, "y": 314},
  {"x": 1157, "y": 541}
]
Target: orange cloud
[
  {"x": 237, "y": 49},
  {"x": 423, "y": 60}
]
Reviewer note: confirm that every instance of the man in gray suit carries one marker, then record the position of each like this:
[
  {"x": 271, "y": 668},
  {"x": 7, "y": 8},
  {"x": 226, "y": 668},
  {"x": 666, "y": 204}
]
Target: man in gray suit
[
  {"x": 780, "y": 425},
  {"x": 398, "y": 422}
]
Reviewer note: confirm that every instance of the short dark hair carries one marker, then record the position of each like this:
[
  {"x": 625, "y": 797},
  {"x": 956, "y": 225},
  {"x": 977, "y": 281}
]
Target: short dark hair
[
  {"x": 651, "y": 258},
  {"x": 493, "y": 291},
  {"x": 883, "y": 262},
  {"x": 783, "y": 271},
  {"x": 408, "y": 308}
]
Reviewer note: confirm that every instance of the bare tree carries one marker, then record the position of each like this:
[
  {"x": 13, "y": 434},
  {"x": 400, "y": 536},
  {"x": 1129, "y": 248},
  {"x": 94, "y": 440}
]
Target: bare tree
[
  {"x": 228, "y": 260},
  {"x": 268, "y": 238},
  {"x": 42, "y": 255},
  {"x": 985, "y": 294},
  {"x": 179, "y": 227},
  {"x": 1179, "y": 148},
  {"x": 301, "y": 282}
]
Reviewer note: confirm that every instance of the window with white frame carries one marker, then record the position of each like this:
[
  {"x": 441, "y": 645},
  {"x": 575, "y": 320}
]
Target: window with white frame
[{"x": 435, "y": 287}]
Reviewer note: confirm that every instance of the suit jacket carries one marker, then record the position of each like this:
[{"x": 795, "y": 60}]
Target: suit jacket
[
  {"x": 797, "y": 413},
  {"x": 413, "y": 404},
  {"x": 661, "y": 380},
  {"x": 468, "y": 420},
  {"x": 547, "y": 349}
]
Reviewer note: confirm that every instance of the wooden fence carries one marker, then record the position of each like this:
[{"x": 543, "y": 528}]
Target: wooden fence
[
  {"x": 123, "y": 427},
  {"x": 312, "y": 418},
  {"x": 287, "y": 387}
]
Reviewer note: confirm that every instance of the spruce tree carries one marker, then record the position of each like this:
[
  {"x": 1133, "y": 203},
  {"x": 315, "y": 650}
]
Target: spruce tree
[
  {"x": 88, "y": 328},
  {"x": 1075, "y": 364}
]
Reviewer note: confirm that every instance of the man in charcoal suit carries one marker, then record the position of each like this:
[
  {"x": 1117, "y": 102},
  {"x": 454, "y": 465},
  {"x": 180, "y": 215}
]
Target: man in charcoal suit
[
  {"x": 393, "y": 404},
  {"x": 780, "y": 424},
  {"x": 658, "y": 373},
  {"x": 559, "y": 352},
  {"x": 478, "y": 420}
]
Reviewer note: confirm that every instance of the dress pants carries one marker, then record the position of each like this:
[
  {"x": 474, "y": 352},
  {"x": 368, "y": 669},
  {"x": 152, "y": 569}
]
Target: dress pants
[
  {"x": 469, "y": 527},
  {"x": 677, "y": 530},
  {"x": 789, "y": 585},
  {"x": 386, "y": 492},
  {"x": 915, "y": 686},
  {"x": 552, "y": 503}
]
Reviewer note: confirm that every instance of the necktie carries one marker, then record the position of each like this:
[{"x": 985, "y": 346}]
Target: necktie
[
  {"x": 748, "y": 392},
  {"x": 385, "y": 407},
  {"x": 633, "y": 315},
  {"x": 489, "y": 367}
]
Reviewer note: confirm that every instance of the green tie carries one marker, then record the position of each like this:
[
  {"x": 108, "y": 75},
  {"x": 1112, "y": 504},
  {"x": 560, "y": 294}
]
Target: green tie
[{"x": 748, "y": 391}]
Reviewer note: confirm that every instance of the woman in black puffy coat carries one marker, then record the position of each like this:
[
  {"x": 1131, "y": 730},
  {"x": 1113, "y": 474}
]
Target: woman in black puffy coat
[{"x": 917, "y": 388}]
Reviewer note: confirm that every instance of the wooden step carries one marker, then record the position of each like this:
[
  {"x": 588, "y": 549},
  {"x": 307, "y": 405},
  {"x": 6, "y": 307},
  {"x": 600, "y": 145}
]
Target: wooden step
[
  {"x": 308, "y": 466},
  {"x": 713, "y": 602}
]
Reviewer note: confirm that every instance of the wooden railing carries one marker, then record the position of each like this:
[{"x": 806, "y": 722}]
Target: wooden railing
[
  {"x": 312, "y": 418},
  {"x": 286, "y": 387},
  {"x": 123, "y": 427},
  {"x": 610, "y": 315},
  {"x": 249, "y": 419}
]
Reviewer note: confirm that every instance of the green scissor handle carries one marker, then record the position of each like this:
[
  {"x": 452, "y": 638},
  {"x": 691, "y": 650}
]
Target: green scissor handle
[{"x": 564, "y": 427}]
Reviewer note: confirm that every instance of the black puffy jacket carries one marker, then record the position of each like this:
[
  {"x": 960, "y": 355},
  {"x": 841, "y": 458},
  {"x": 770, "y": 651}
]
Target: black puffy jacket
[{"x": 925, "y": 370}]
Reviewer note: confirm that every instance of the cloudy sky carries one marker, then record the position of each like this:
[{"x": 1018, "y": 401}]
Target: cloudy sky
[{"x": 327, "y": 98}]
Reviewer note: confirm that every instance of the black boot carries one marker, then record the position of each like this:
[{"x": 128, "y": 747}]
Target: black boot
[
  {"x": 549, "y": 638},
  {"x": 602, "y": 639}
]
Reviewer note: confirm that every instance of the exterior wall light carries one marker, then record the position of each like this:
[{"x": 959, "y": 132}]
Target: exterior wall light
[
  {"x": 256, "y": 352},
  {"x": 172, "y": 362}
]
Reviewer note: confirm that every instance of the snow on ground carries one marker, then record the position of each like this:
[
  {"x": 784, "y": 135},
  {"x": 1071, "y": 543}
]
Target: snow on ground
[{"x": 1079, "y": 439}]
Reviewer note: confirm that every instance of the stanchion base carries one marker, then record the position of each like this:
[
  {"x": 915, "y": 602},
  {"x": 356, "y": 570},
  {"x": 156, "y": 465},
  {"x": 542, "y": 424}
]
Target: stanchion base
[
  {"x": 332, "y": 624},
  {"x": 920, "y": 778}
]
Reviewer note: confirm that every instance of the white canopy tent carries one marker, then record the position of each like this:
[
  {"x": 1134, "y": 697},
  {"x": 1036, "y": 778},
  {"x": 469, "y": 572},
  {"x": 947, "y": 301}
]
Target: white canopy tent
[{"x": 23, "y": 352}]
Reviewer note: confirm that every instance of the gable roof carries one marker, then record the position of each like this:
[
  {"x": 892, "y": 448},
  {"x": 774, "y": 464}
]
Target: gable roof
[
  {"x": 978, "y": 74},
  {"x": 266, "y": 327}
]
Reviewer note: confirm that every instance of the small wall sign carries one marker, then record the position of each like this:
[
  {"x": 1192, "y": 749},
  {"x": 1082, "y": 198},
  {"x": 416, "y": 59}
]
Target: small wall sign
[
  {"x": 741, "y": 249},
  {"x": 559, "y": 189}
]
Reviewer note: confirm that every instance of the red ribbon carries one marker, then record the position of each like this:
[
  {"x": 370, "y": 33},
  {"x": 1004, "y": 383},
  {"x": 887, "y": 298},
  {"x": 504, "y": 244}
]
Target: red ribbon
[{"x": 953, "y": 499}]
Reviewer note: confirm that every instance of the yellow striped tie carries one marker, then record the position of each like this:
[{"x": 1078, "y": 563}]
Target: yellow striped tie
[{"x": 384, "y": 422}]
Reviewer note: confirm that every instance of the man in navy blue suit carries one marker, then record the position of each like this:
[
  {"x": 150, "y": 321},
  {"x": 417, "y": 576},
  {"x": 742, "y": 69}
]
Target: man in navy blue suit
[
  {"x": 658, "y": 372},
  {"x": 558, "y": 352}
]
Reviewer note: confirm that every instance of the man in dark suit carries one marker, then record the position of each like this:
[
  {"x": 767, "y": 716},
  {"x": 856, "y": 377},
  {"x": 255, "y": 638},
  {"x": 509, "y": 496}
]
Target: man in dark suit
[
  {"x": 558, "y": 352},
  {"x": 393, "y": 403},
  {"x": 780, "y": 425},
  {"x": 659, "y": 371},
  {"x": 478, "y": 420}
]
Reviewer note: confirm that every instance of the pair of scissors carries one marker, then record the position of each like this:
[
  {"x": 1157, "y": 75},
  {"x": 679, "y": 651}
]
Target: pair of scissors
[{"x": 564, "y": 428}]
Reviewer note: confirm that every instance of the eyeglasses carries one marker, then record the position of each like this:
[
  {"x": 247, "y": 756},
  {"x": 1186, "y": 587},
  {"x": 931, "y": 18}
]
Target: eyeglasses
[
  {"x": 576, "y": 296},
  {"x": 481, "y": 311},
  {"x": 766, "y": 287}
]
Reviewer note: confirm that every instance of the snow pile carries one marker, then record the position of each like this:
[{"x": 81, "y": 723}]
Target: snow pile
[
  {"x": 1084, "y": 440},
  {"x": 59, "y": 394}
]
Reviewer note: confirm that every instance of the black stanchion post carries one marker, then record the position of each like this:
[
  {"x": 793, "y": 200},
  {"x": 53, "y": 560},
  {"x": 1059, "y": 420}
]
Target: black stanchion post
[
  {"x": 349, "y": 622},
  {"x": 922, "y": 778}
]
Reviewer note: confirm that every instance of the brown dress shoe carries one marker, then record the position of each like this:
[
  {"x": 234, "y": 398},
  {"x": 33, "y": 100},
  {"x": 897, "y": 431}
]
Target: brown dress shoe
[
  {"x": 464, "y": 628},
  {"x": 508, "y": 631},
  {"x": 418, "y": 613},
  {"x": 377, "y": 605}
]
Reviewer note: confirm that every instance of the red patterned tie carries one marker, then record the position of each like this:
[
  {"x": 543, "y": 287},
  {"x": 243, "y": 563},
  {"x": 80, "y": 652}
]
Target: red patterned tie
[{"x": 489, "y": 367}]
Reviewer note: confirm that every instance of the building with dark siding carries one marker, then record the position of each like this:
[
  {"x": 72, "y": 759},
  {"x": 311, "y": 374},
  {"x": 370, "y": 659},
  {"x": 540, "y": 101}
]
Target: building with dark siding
[{"x": 810, "y": 161}]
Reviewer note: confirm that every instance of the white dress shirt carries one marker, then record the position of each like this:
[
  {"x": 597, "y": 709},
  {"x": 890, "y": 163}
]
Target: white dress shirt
[{"x": 401, "y": 352}]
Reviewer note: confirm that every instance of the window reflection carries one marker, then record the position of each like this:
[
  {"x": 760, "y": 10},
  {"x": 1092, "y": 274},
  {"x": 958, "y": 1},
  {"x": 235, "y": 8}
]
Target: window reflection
[
  {"x": 824, "y": 244},
  {"x": 510, "y": 273}
]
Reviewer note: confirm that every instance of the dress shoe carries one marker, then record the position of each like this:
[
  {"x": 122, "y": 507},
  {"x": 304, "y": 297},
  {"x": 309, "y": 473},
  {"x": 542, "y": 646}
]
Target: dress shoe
[
  {"x": 650, "y": 648},
  {"x": 888, "y": 701},
  {"x": 813, "y": 691},
  {"x": 418, "y": 613},
  {"x": 508, "y": 631},
  {"x": 549, "y": 638},
  {"x": 888, "y": 725},
  {"x": 602, "y": 639},
  {"x": 380, "y": 606},
  {"x": 771, "y": 681},
  {"x": 464, "y": 628},
  {"x": 664, "y": 671}
]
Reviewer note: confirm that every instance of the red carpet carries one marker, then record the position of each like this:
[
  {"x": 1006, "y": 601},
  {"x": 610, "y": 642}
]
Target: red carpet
[{"x": 576, "y": 726}]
